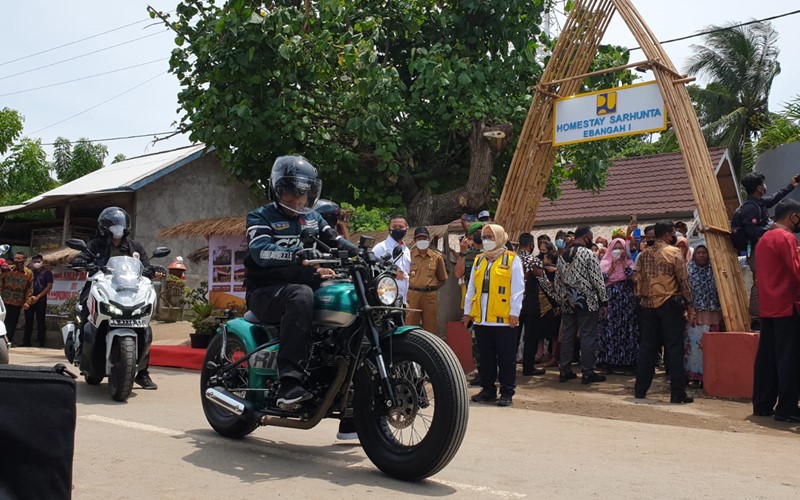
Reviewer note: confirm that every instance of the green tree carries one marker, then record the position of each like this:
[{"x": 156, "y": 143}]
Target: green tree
[
  {"x": 740, "y": 63},
  {"x": 403, "y": 103},
  {"x": 72, "y": 162},
  {"x": 10, "y": 128},
  {"x": 25, "y": 173},
  {"x": 396, "y": 100},
  {"x": 120, "y": 157}
]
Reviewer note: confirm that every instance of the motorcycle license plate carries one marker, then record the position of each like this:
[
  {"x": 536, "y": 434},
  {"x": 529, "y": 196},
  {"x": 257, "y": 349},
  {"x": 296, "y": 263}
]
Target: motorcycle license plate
[{"x": 131, "y": 323}]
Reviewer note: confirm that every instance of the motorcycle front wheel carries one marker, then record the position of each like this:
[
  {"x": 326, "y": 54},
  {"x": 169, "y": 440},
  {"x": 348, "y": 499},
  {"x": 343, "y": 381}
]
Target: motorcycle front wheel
[
  {"x": 123, "y": 368},
  {"x": 223, "y": 421},
  {"x": 422, "y": 434}
]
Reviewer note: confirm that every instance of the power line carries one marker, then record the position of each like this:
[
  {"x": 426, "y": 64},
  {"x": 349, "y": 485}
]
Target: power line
[
  {"x": 75, "y": 41},
  {"x": 97, "y": 105},
  {"x": 85, "y": 77},
  {"x": 726, "y": 28},
  {"x": 84, "y": 55},
  {"x": 111, "y": 139}
]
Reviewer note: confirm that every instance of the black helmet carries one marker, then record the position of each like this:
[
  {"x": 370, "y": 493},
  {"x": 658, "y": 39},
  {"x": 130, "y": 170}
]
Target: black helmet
[
  {"x": 113, "y": 216},
  {"x": 294, "y": 175},
  {"x": 329, "y": 211}
]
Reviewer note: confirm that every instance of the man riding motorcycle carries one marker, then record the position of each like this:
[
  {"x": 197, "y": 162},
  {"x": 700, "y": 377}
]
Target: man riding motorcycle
[
  {"x": 279, "y": 286},
  {"x": 114, "y": 226}
]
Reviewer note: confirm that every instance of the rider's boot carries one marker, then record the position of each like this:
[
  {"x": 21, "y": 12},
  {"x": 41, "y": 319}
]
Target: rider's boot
[{"x": 291, "y": 392}]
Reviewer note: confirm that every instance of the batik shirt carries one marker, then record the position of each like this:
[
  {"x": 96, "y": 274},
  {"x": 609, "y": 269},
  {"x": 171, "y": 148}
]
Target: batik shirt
[{"x": 16, "y": 287}]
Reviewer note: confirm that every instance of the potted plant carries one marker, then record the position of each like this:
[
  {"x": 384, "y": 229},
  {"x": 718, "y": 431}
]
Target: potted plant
[
  {"x": 203, "y": 321},
  {"x": 204, "y": 324}
]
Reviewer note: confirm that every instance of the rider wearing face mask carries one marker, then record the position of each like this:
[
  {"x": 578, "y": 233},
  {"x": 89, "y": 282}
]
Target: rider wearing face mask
[
  {"x": 428, "y": 275},
  {"x": 114, "y": 227}
]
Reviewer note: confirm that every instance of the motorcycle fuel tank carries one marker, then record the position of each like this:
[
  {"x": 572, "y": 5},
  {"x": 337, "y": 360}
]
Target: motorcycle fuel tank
[{"x": 335, "y": 304}]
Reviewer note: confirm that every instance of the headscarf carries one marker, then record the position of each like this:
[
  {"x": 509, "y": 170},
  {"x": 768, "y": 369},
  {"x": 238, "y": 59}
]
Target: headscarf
[
  {"x": 704, "y": 288},
  {"x": 605, "y": 264},
  {"x": 500, "y": 237},
  {"x": 690, "y": 252}
]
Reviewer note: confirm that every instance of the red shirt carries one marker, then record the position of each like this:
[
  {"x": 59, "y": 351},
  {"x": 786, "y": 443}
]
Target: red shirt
[{"x": 778, "y": 274}]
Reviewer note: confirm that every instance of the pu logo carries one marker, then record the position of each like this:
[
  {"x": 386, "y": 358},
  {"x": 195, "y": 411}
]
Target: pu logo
[{"x": 606, "y": 103}]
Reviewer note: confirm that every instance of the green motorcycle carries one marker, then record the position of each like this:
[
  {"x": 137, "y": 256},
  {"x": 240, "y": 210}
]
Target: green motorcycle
[{"x": 403, "y": 386}]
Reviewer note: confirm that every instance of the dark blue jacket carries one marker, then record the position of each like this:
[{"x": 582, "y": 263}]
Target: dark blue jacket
[{"x": 272, "y": 241}]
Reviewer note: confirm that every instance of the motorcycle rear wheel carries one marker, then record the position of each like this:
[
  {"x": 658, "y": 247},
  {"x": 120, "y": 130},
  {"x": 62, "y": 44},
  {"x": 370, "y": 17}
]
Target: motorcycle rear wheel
[
  {"x": 123, "y": 368},
  {"x": 3, "y": 350},
  {"x": 222, "y": 421},
  {"x": 422, "y": 435}
]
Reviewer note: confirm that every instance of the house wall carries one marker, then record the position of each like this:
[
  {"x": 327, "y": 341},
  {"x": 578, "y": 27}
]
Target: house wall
[{"x": 198, "y": 190}]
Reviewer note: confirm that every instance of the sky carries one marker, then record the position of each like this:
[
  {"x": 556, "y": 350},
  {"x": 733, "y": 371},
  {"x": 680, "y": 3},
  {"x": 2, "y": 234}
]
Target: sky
[{"x": 143, "y": 99}]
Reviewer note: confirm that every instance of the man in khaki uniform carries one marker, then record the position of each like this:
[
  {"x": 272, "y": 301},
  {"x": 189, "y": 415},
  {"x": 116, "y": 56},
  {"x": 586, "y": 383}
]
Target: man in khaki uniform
[{"x": 428, "y": 274}]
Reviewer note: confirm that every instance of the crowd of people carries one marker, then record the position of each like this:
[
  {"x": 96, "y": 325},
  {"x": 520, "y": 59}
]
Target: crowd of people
[{"x": 608, "y": 307}]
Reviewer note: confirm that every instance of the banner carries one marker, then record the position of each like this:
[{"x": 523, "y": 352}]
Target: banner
[
  {"x": 226, "y": 269},
  {"x": 67, "y": 283},
  {"x": 629, "y": 110}
]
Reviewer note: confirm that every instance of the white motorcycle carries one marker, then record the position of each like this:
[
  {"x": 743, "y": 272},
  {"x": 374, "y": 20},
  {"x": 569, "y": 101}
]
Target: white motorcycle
[
  {"x": 117, "y": 335},
  {"x": 3, "y": 333}
]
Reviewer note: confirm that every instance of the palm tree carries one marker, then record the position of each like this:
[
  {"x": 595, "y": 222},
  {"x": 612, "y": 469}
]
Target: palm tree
[
  {"x": 783, "y": 128},
  {"x": 740, "y": 63}
]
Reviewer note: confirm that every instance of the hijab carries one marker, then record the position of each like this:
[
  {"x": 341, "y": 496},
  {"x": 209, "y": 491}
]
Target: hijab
[
  {"x": 690, "y": 252},
  {"x": 704, "y": 289},
  {"x": 500, "y": 237},
  {"x": 605, "y": 264}
]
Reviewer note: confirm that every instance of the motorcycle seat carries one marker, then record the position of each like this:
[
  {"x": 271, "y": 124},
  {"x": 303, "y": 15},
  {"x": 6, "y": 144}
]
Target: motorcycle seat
[{"x": 250, "y": 317}]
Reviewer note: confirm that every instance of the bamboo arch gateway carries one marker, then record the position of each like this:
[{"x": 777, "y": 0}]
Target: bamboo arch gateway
[{"x": 534, "y": 156}]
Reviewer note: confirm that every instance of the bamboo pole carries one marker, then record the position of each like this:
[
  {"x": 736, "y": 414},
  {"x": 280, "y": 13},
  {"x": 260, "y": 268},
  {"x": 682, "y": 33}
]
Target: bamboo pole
[
  {"x": 533, "y": 159},
  {"x": 700, "y": 171}
]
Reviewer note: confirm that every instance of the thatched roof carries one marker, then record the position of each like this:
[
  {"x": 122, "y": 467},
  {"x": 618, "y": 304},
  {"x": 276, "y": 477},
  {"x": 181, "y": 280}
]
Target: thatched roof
[
  {"x": 206, "y": 228},
  {"x": 198, "y": 255},
  {"x": 60, "y": 256}
]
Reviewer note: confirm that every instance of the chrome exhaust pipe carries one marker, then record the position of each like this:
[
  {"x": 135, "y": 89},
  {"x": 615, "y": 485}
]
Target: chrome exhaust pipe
[{"x": 226, "y": 400}]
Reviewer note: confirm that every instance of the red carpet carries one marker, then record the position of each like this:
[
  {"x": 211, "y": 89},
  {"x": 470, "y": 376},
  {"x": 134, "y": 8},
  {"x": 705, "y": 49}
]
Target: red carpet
[{"x": 177, "y": 356}]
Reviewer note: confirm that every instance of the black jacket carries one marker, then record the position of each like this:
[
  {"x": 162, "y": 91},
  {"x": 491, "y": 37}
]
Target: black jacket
[
  {"x": 99, "y": 251},
  {"x": 754, "y": 214}
]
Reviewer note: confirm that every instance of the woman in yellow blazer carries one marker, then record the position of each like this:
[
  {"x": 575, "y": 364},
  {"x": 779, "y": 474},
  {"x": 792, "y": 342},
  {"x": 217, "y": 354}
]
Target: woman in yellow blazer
[{"x": 492, "y": 304}]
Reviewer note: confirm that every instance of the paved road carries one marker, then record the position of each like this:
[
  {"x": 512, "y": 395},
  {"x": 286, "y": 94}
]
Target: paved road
[{"x": 158, "y": 445}]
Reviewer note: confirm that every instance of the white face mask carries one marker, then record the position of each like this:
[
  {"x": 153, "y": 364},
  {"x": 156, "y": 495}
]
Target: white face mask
[
  {"x": 616, "y": 253},
  {"x": 489, "y": 245},
  {"x": 423, "y": 244},
  {"x": 37, "y": 265},
  {"x": 117, "y": 231},
  {"x": 599, "y": 245}
]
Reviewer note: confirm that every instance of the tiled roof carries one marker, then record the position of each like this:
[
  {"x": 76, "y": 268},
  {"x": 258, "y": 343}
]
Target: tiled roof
[{"x": 647, "y": 186}]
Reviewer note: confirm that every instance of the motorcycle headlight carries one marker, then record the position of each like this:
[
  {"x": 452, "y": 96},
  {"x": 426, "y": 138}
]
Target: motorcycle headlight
[
  {"x": 386, "y": 290},
  {"x": 110, "y": 310},
  {"x": 141, "y": 311}
]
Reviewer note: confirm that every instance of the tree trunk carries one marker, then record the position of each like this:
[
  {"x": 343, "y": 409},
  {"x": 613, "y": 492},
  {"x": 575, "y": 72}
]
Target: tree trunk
[{"x": 486, "y": 142}]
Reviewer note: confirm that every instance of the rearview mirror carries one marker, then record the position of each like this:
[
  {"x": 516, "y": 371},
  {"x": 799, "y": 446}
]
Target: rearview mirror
[
  {"x": 307, "y": 235},
  {"x": 161, "y": 252},
  {"x": 4, "y": 249},
  {"x": 397, "y": 252},
  {"x": 76, "y": 244},
  {"x": 366, "y": 241}
]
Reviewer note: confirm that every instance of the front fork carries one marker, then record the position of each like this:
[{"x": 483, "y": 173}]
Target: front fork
[{"x": 375, "y": 343}]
